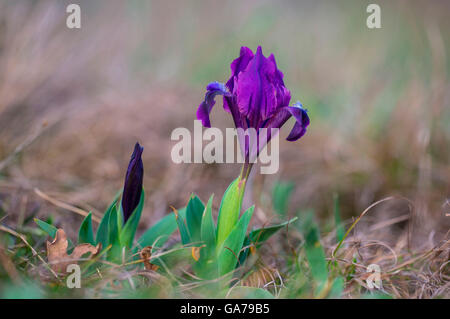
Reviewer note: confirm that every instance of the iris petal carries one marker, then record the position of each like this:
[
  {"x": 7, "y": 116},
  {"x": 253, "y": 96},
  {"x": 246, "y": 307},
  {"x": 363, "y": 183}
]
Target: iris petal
[
  {"x": 283, "y": 94},
  {"x": 239, "y": 65},
  {"x": 256, "y": 93},
  {"x": 212, "y": 90},
  {"x": 302, "y": 121},
  {"x": 283, "y": 115}
]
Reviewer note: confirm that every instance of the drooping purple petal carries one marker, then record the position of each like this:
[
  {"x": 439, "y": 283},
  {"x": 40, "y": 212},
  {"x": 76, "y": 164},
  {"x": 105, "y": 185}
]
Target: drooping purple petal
[
  {"x": 302, "y": 121},
  {"x": 133, "y": 183},
  {"x": 212, "y": 90},
  {"x": 256, "y": 93},
  {"x": 282, "y": 116}
]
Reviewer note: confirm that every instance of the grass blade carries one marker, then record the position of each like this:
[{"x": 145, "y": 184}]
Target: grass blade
[
  {"x": 86, "y": 233},
  {"x": 194, "y": 212},
  {"x": 102, "y": 235},
  {"x": 281, "y": 194},
  {"x": 208, "y": 229},
  {"x": 315, "y": 253},
  {"x": 158, "y": 234},
  {"x": 49, "y": 229}
]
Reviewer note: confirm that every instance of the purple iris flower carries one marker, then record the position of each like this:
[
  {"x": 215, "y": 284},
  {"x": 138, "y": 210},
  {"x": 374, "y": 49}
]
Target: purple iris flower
[
  {"x": 133, "y": 183},
  {"x": 256, "y": 97}
]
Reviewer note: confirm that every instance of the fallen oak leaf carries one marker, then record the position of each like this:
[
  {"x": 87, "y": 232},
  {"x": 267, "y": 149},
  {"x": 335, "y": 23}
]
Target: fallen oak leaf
[{"x": 57, "y": 252}]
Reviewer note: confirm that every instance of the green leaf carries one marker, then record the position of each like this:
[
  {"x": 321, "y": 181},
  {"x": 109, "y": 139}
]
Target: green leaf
[
  {"x": 241, "y": 292},
  {"x": 258, "y": 236},
  {"x": 340, "y": 232},
  {"x": 314, "y": 252},
  {"x": 280, "y": 196},
  {"x": 113, "y": 228},
  {"x": 129, "y": 230},
  {"x": 49, "y": 229},
  {"x": 206, "y": 267},
  {"x": 119, "y": 217},
  {"x": 376, "y": 295},
  {"x": 229, "y": 210},
  {"x": 23, "y": 290},
  {"x": 158, "y": 234},
  {"x": 85, "y": 233},
  {"x": 182, "y": 227},
  {"x": 208, "y": 229},
  {"x": 230, "y": 249},
  {"x": 337, "y": 287},
  {"x": 194, "y": 212},
  {"x": 114, "y": 254},
  {"x": 103, "y": 228}
]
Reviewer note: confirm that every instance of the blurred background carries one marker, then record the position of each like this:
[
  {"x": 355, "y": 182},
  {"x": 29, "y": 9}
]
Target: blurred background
[{"x": 74, "y": 102}]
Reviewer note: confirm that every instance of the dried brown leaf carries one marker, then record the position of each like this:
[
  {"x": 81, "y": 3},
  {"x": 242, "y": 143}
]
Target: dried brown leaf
[
  {"x": 146, "y": 254},
  {"x": 57, "y": 252}
]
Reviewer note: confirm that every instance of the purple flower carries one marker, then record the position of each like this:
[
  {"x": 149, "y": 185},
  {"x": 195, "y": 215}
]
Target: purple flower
[
  {"x": 256, "y": 97},
  {"x": 133, "y": 183}
]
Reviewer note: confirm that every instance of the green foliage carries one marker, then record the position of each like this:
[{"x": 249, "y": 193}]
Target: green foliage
[
  {"x": 212, "y": 256},
  {"x": 376, "y": 295},
  {"x": 128, "y": 231},
  {"x": 208, "y": 229},
  {"x": 182, "y": 227},
  {"x": 314, "y": 252},
  {"x": 25, "y": 290},
  {"x": 212, "y": 259},
  {"x": 281, "y": 194},
  {"x": 111, "y": 233},
  {"x": 85, "y": 233},
  {"x": 113, "y": 228},
  {"x": 49, "y": 229},
  {"x": 311, "y": 276},
  {"x": 250, "y": 293},
  {"x": 337, "y": 287},
  {"x": 229, "y": 210},
  {"x": 102, "y": 236},
  {"x": 228, "y": 252},
  {"x": 158, "y": 234},
  {"x": 194, "y": 212},
  {"x": 260, "y": 235}
]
